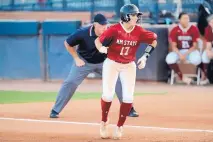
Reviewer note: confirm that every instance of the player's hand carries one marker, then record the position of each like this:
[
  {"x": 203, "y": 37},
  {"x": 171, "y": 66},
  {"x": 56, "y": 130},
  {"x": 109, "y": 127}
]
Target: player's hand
[
  {"x": 209, "y": 54},
  {"x": 142, "y": 62},
  {"x": 182, "y": 57},
  {"x": 103, "y": 49},
  {"x": 79, "y": 62},
  {"x": 185, "y": 56}
]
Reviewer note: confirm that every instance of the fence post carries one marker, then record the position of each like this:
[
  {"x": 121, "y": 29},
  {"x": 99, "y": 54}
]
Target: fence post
[
  {"x": 64, "y": 3},
  {"x": 92, "y": 10},
  {"x": 12, "y": 3},
  {"x": 119, "y": 4},
  {"x": 44, "y": 61},
  {"x": 156, "y": 12},
  {"x": 49, "y": 3}
]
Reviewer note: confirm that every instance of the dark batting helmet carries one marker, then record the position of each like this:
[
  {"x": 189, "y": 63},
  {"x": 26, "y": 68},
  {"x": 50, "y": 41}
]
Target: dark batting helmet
[{"x": 127, "y": 10}]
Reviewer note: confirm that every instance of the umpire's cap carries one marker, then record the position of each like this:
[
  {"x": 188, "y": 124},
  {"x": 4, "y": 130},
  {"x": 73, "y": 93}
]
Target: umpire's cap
[{"x": 101, "y": 19}]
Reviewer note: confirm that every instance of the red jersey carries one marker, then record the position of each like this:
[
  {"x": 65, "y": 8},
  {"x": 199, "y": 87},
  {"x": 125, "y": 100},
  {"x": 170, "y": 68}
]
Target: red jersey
[
  {"x": 184, "y": 37},
  {"x": 125, "y": 43},
  {"x": 209, "y": 34}
]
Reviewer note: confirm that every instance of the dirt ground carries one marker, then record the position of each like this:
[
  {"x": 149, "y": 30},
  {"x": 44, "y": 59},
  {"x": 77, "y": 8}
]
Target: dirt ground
[{"x": 182, "y": 114}]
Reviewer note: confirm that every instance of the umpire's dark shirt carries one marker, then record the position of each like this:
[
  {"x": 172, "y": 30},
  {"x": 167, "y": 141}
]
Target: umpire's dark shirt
[{"x": 85, "y": 39}]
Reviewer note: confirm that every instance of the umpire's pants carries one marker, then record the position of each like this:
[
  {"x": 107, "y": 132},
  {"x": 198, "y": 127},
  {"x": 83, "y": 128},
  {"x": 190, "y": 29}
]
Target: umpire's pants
[{"x": 74, "y": 79}]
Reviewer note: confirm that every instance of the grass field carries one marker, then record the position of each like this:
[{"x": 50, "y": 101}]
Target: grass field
[{"x": 8, "y": 97}]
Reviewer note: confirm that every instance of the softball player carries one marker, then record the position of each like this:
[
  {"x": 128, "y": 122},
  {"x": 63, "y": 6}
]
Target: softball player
[
  {"x": 208, "y": 53},
  {"x": 184, "y": 39},
  {"x": 126, "y": 37}
]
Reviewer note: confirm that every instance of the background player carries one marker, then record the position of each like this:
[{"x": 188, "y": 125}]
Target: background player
[
  {"x": 184, "y": 41},
  {"x": 126, "y": 37},
  {"x": 87, "y": 59},
  {"x": 208, "y": 52}
]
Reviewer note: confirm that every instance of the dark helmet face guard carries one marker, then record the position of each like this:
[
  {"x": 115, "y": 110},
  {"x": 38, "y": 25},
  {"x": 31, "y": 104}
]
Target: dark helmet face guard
[{"x": 139, "y": 15}]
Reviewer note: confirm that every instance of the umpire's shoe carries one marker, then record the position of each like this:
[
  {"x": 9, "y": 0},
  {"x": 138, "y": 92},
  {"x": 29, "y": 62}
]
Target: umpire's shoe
[
  {"x": 53, "y": 114},
  {"x": 133, "y": 113}
]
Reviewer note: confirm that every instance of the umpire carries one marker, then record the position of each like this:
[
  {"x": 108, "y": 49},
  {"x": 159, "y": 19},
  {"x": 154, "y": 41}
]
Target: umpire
[{"x": 87, "y": 59}]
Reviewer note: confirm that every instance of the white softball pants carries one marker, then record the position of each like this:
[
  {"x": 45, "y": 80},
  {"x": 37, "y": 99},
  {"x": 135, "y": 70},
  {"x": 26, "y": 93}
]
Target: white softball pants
[
  {"x": 194, "y": 57},
  {"x": 205, "y": 58},
  {"x": 127, "y": 74}
]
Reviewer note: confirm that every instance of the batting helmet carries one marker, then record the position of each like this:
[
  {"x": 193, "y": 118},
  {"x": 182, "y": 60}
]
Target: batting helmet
[{"x": 127, "y": 10}]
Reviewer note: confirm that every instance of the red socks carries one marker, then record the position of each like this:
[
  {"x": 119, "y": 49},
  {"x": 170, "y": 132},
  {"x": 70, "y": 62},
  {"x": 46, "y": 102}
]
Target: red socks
[
  {"x": 124, "y": 112},
  {"x": 105, "y": 106},
  {"x": 177, "y": 70},
  {"x": 204, "y": 67}
]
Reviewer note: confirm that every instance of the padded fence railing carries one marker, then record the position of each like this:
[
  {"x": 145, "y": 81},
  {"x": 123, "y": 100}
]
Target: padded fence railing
[
  {"x": 19, "y": 49},
  {"x": 33, "y": 50}
]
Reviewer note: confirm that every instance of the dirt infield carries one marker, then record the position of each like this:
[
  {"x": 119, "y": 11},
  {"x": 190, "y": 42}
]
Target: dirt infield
[{"x": 183, "y": 114}]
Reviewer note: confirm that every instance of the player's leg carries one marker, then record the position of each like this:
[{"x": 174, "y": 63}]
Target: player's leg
[
  {"x": 109, "y": 78},
  {"x": 204, "y": 66},
  {"x": 194, "y": 57},
  {"x": 69, "y": 86},
  {"x": 118, "y": 87},
  {"x": 171, "y": 59},
  {"x": 127, "y": 76},
  {"x": 118, "y": 91}
]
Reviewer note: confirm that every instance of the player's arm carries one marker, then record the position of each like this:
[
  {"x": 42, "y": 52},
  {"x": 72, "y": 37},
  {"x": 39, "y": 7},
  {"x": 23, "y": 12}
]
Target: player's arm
[
  {"x": 103, "y": 42},
  {"x": 208, "y": 32},
  {"x": 70, "y": 44},
  {"x": 100, "y": 47},
  {"x": 173, "y": 41},
  {"x": 174, "y": 47},
  {"x": 151, "y": 39},
  {"x": 150, "y": 48},
  {"x": 209, "y": 49},
  {"x": 208, "y": 39},
  {"x": 209, "y": 46},
  {"x": 194, "y": 47},
  {"x": 195, "y": 37}
]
